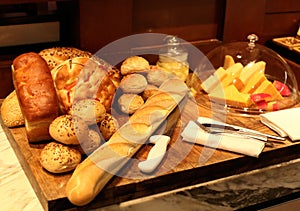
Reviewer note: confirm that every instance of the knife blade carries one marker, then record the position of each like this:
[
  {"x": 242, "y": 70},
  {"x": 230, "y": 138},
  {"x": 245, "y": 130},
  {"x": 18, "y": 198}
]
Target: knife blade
[{"x": 243, "y": 130}]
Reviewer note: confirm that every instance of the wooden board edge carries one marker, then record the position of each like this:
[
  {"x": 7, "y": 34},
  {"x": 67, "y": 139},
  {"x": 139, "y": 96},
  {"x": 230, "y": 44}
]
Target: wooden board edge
[{"x": 25, "y": 166}]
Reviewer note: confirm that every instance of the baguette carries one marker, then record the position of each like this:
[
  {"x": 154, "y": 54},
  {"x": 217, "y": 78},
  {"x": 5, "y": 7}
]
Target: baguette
[
  {"x": 90, "y": 176},
  {"x": 36, "y": 95}
]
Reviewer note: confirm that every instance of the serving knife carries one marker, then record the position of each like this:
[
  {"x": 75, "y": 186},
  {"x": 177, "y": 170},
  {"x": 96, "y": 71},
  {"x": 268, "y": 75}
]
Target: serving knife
[{"x": 241, "y": 130}]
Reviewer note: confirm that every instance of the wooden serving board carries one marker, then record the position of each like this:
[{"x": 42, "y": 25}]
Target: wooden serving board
[{"x": 185, "y": 164}]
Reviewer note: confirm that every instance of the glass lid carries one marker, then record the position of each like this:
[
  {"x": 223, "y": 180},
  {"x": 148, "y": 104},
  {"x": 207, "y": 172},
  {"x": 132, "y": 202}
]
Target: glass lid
[{"x": 245, "y": 78}]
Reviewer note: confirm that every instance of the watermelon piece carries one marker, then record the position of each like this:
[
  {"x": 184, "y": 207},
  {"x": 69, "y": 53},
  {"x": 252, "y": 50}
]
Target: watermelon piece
[
  {"x": 282, "y": 88},
  {"x": 258, "y": 97},
  {"x": 262, "y": 104}
]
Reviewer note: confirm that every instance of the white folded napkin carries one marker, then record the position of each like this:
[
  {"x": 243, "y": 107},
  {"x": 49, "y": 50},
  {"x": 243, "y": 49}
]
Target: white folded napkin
[
  {"x": 235, "y": 143},
  {"x": 284, "y": 122}
]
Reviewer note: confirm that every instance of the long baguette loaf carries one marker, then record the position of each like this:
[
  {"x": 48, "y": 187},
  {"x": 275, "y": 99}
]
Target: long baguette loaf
[
  {"x": 36, "y": 95},
  {"x": 95, "y": 171}
]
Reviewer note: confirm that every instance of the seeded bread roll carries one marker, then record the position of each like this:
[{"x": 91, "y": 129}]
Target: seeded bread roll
[
  {"x": 91, "y": 175},
  {"x": 11, "y": 112},
  {"x": 58, "y": 158},
  {"x": 68, "y": 129},
  {"x": 57, "y": 55},
  {"x": 90, "y": 110},
  {"x": 36, "y": 95},
  {"x": 108, "y": 126}
]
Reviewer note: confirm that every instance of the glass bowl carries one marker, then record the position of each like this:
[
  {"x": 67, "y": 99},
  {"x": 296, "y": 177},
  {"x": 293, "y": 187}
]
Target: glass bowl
[{"x": 245, "y": 78}]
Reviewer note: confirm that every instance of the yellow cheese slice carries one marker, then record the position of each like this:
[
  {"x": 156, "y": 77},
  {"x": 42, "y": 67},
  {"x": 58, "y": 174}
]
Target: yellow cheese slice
[
  {"x": 250, "y": 69},
  {"x": 212, "y": 81},
  {"x": 235, "y": 69},
  {"x": 267, "y": 87},
  {"x": 228, "y": 62},
  {"x": 231, "y": 96},
  {"x": 254, "y": 82}
]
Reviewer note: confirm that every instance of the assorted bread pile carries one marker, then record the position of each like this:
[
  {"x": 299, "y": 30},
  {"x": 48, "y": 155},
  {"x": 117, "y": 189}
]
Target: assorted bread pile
[
  {"x": 65, "y": 98},
  {"x": 244, "y": 86}
]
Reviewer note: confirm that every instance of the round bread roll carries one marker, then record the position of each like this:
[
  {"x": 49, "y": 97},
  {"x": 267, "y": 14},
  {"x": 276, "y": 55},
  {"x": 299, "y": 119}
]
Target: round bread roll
[
  {"x": 108, "y": 126},
  {"x": 149, "y": 91},
  {"x": 58, "y": 158},
  {"x": 90, "y": 110},
  {"x": 11, "y": 112},
  {"x": 68, "y": 129},
  {"x": 134, "y": 64},
  {"x": 57, "y": 55},
  {"x": 157, "y": 77},
  {"x": 133, "y": 83},
  {"x": 129, "y": 103},
  {"x": 82, "y": 78}
]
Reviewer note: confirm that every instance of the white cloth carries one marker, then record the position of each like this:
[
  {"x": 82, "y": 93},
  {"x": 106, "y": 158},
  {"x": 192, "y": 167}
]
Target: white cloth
[
  {"x": 285, "y": 122},
  {"x": 235, "y": 143}
]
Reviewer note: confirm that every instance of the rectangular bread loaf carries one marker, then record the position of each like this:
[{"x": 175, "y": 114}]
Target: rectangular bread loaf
[{"x": 36, "y": 94}]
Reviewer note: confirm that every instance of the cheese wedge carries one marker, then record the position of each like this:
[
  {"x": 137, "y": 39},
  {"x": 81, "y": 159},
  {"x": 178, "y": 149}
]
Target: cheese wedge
[
  {"x": 254, "y": 82},
  {"x": 250, "y": 69},
  {"x": 235, "y": 69},
  {"x": 228, "y": 62},
  {"x": 231, "y": 96},
  {"x": 267, "y": 87},
  {"x": 212, "y": 81}
]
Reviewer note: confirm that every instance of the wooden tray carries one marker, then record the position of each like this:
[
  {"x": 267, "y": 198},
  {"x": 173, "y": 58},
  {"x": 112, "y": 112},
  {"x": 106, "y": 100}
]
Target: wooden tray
[{"x": 185, "y": 164}]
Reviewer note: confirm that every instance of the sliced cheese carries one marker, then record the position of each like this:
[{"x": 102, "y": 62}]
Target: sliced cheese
[
  {"x": 250, "y": 69},
  {"x": 235, "y": 70},
  {"x": 267, "y": 87},
  {"x": 209, "y": 83},
  {"x": 228, "y": 62},
  {"x": 212, "y": 81},
  {"x": 254, "y": 82},
  {"x": 225, "y": 77},
  {"x": 231, "y": 96}
]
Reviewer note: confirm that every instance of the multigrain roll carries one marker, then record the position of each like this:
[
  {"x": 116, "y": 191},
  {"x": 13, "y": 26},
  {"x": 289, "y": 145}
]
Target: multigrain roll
[
  {"x": 58, "y": 158},
  {"x": 11, "y": 112},
  {"x": 90, "y": 110},
  {"x": 36, "y": 95},
  {"x": 68, "y": 129}
]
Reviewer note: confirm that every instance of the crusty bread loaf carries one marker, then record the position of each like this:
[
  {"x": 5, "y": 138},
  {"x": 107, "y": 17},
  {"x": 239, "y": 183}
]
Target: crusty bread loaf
[
  {"x": 90, "y": 176},
  {"x": 36, "y": 95},
  {"x": 11, "y": 112},
  {"x": 83, "y": 78}
]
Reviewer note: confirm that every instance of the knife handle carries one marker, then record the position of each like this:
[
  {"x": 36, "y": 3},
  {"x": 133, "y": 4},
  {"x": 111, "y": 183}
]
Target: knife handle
[{"x": 155, "y": 156}]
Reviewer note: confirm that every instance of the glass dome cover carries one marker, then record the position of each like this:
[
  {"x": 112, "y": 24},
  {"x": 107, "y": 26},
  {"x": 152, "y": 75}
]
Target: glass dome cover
[{"x": 244, "y": 88}]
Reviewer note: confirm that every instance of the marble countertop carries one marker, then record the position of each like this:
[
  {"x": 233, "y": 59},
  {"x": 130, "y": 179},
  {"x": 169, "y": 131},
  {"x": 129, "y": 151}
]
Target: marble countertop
[{"x": 256, "y": 189}]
